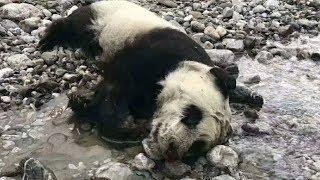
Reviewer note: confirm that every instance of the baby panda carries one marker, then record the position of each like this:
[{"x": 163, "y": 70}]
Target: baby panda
[{"x": 152, "y": 72}]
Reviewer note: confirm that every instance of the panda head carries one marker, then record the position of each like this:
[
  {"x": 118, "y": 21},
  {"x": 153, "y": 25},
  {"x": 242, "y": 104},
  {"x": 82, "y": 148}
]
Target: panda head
[{"x": 193, "y": 112}]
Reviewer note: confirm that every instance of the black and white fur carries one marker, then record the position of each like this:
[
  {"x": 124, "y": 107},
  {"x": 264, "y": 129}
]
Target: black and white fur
[{"x": 151, "y": 71}]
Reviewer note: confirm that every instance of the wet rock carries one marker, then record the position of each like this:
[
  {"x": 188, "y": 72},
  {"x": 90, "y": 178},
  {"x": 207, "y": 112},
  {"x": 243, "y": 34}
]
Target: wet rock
[
  {"x": 223, "y": 157},
  {"x": 6, "y": 72},
  {"x": 253, "y": 80},
  {"x": 113, "y": 170},
  {"x": 244, "y": 95},
  {"x": 141, "y": 162},
  {"x": 19, "y": 11},
  {"x": 223, "y": 177},
  {"x": 233, "y": 44},
  {"x": 30, "y": 24},
  {"x": 176, "y": 169},
  {"x": 197, "y": 26},
  {"x": 264, "y": 57},
  {"x": 18, "y": 61},
  {"x": 34, "y": 169},
  {"x": 168, "y": 3}
]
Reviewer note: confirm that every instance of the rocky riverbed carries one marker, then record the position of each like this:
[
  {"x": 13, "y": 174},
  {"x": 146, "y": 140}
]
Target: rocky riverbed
[{"x": 275, "y": 43}]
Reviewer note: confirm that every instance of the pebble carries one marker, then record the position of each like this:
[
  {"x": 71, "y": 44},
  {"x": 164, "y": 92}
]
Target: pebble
[
  {"x": 188, "y": 18},
  {"x": 251, "y": 113},
  {"x": 55, "y": 17},
  {"x": 221, "y": 31},
  {"x": 223, "y": 177},
  {"x": 6, "y": 72},
  {"x": 197, "y": 26},
  {"x": 30, "y": 24},
  {"x": 19, "y": 11},
  {"x": 18, "y": 61},
  {"x": 315, "y": 56},
  {"x": 264, "y": 57},
  {"x": 227, "y": 12},
  {"x": 211, "y": 31},
  {"x": 223, "y": 157},
  {"x": 259, "y": 9},
  {"x": 5, "y": 99},
  {"x": 253, "y": 80},
  {"x": 168, "y": 3},
  {"x": 49, "y": 57},
  {"x": 141, "y": 162},
  {"x": 272, "y": 4}
]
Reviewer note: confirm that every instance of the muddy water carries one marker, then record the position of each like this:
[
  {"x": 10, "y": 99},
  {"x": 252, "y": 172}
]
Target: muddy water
[
  {"x": 291, "y": 116},
  {"x": 71, "y": 152}
]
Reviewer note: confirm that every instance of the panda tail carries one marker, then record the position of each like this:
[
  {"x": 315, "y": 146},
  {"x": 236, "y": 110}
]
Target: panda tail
[{"x": 73, "y": 31}]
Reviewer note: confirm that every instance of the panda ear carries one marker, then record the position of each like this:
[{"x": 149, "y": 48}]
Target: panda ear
[{"x": 223, "y": 79}]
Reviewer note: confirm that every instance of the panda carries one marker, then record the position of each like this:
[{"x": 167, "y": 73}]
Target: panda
[{"x": 154, "y": 73}]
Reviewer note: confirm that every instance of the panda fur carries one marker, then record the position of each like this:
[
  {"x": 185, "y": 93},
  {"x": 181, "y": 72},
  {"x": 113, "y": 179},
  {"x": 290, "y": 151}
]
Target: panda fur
[{"x": 151, "y": 71}]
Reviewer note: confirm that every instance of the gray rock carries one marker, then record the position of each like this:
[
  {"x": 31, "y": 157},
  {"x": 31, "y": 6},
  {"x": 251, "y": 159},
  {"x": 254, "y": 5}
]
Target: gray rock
[
  {"x": 307, "y": 23},
  {"x": 211, "y": 31},
  {"x": 28, "y": 38},
  {"x": 70, "y": 77},
  {"x": 259, "y": 9},
  {"x": 197, "y": 26},
  {"x": 223, "y": 177},
  {"x": 264, "y": 57},
  {"x": 233, "y": 44},
  {"x": 168, "y": 3},
  {"x": 4, "y": 2},
  {"x": 7, "y": 144},
  {"x": 6, "y": 72},
  {"x": 19, "y": 11},
  {"x": 49, "y": 57},
  {"x": 315, "y": 56},
  {"x": 30, "y": 24},
  {"x": 46, "y": 12},
  {"x": 221, "y": 55},
  {"x": 253, "y": 80},
  {"x": 141, "y": 162},
  {"x": 227, "y": 12},
  {"x": 8, "y": 24},
  {"x": 176, "y": 169},
  {"x": 271, "y": 4},
  {"x": 188, "y": 18},
  {"x": 221, "y": 31},
  {"x": 208, "y": 45},
  {"x": 18, "y": 61},
  {"x": 113, "y": 170},
  {"x": 223, "y": 156},
  {"x": 55, "y": 17},
  {"x": 5, "y": 99}
]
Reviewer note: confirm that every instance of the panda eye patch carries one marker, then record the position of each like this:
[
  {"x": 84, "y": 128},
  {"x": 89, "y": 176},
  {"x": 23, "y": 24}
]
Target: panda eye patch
[{"x": 192, "y": 115}]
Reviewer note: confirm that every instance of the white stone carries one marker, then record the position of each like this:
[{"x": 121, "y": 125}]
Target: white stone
[
  {"x": 5, "y": 99},
  {"x": 6, "y": 72},
  {"x": 114, "y": 170},
  {"x": 7, "y": 144},
  {"x": 223, "y": 177},
  {"x": 19, "y": 11},
  {"x": 223, "y": 156},
  {"x": 271, "y": 4},
  {"x": 142, "y": 162},
  {"x": 18, "y": 61}
]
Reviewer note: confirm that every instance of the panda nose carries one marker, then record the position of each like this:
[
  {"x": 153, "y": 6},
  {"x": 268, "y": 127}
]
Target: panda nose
[{"x": 172, "y": 153}]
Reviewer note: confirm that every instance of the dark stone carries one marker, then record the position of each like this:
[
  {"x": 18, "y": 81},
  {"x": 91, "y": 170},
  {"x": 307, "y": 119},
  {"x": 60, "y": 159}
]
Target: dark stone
[
  {"x": 315, "y": 56},
  {"x": 244, "y": 95},
  {"x": 251, "y": 114},
  {"x": 249, "y": 42}
]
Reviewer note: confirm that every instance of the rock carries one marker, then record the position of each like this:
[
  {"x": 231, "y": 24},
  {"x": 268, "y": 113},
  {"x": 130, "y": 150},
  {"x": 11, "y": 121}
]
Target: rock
[
  {"x": 197, "y": 26},
  {"x": 4, "y": 2},
  {"x": 211, "y": 31},
  {"x": 7, "y": 144},
  {"x": 264, "y": 57},
  {"x": 272, "y": 4},
  {"x": 113, "y": 170},
  {"x": 30, "y": 24},
  {"x": 221, "y": 55},
  {"x": 208, "y": 45},
  {"x": 6, "y": 72},
  {"x": 18, "y": 61},
  {"x": 8, "y": 24},
  {"x": 251, "y": 129},
  {"x": 188, "y": 18},
  {"x": 46, "y": 12},
  {"x": 176, "y": 169},
  {"x": 141, "y": 162},
  {"x": 251, "y": 114},
  {"x": 221, "y": 31},
  {"x": 223, "y": 177},
  {"x": 5, "y": 99},
  {"x": 315, "y": 56},
  {"x": 249, "y": 42},
  {"x": 55, "y": 17},
  {"x": 227, "y": 12},
  {"x": 259, "y": 9},
  {"x": 71, "y": 77},
  {"x": 196, "y": 14},
  {"x": 73, "y": 8},
  {"x": 49, "y": 57},
  {"x": 19, "y": 11},
  {"x": 168, "y": 3},
  {"x": 307, "y": 23},
  {"x": 233, "y": 44},
  {"x": 253, "y": 80},
  {"x": 244, "y": 95},
  {"x": 34, "y": 169},
  {"x": 223, "y": 157}
]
